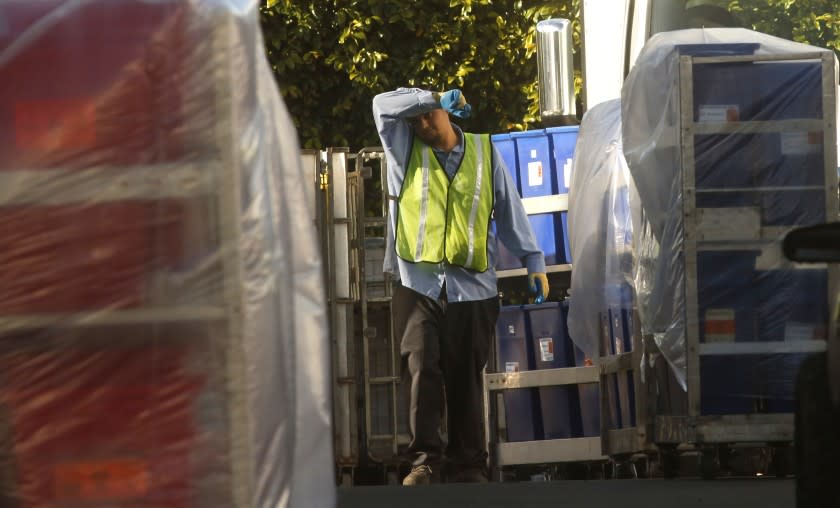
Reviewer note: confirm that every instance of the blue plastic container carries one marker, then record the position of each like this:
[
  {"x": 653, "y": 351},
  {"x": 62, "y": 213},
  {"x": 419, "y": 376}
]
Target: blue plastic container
[
  {"x": 793, "y": 304},
  {"x": 563, "y": 141},
  {"x": 727, "y": 384},
  {"x": 506, "y": 146},
  {"x": 552, "y": 348},
  {"x": 547, "y": 229},
  {"x": 522, "y": 414},
  {"x": 588, "y": 394},
  {"x": 533, "y": 153},
  {"x": 725, "y": 284},
  {"x": 567, "y": 247}
]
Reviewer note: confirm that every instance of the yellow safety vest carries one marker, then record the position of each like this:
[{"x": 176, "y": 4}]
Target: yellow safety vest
[{"x": 441, "y": 220}]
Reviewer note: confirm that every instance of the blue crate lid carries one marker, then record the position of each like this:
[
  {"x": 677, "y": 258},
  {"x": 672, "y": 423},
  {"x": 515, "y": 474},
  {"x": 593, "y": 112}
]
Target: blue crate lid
[
  {"x": 529, "y": 134},
  {"x": 563, "y": 130},
  {"x": 501, "y": 137},
  {"x": 720, "y": 49}
]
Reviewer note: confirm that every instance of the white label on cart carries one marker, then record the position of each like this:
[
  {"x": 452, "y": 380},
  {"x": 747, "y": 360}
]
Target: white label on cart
[
  {"x": 511, "y": 330},
  {"x": 795, "y": 331},
  {"x": 533, "y": 154},
  {"x": 801, "y": 143},
  {"x": 511, "y": 367},
  {"x": 720, "y": 325},
  {"x": 719, "y": 113},
  {"x": 567, "y": 173},
  {"x": 535, "y": 174},
  {"x": 547, "y": 349}
]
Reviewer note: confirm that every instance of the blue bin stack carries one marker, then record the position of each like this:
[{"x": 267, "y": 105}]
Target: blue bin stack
[
  {"x": 588, "y": 394},
  {"x": 546, "y": 412},
  {"x": 539, "y": 162},
  {"x": 739, "y": 301}
]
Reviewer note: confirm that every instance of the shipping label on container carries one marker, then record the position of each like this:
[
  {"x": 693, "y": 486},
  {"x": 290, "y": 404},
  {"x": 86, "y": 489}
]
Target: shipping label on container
[
  {"x": 720, "y": 325},
  {"x": 797, "y": 331},
  {"x": 719, "y": 113},
  {"x": 511, "y": 367},
  {"x": 535, "y": 174},
  {"x": 547, "y": 349},
  {"x": 801, "y": 143},
  {"x": 55, "y": 124}
]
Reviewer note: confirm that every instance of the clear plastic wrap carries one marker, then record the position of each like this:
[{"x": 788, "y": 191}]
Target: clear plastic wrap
[
  {"x": 600, "y": 227},
  {"x": 726, "y": 159},
  {"x": 162, "y": 325}
]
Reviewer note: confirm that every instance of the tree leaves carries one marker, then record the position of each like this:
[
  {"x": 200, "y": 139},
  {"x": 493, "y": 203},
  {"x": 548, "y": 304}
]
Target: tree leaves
[{"x": 331, "y": 57}]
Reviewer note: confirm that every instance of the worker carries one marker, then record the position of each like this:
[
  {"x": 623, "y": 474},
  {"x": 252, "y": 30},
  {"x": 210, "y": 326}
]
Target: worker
[{"x": 444, "y": 186}]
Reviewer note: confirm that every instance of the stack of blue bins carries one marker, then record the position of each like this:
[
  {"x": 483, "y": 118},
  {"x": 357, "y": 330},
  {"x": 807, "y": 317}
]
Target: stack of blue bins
[
  {"x": 588, "y": 394},
  {"x": 766, "y": 304},
  {"x": 619, "y": 331},
  {"x": 539, "y": 162},
  {"x": 535, "y": 337}
]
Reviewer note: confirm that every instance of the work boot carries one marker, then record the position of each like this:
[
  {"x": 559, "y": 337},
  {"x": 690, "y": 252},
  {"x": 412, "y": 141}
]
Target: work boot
[{"x": 419, "y": 475}]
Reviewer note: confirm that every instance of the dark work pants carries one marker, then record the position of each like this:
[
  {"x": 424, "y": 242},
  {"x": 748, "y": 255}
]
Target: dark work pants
[{"x": 444, "y": 347}]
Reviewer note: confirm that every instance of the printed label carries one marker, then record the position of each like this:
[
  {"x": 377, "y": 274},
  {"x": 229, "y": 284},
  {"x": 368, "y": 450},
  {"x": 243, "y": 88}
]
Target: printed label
[
  {"x": 719, "y": 113},
  {"x": 547, "y": 349},
  {"x": 511, "y": 367},
  {"x": 567, "y": 173},
  {"x": 801, "y": 143},
  {"x": 720, "y": 325},
  {"x": 535, "y": 174},
  {"x": 533, "y": 154},
  {"x": 795, "y": 331},
  {"x": 511, "y": 330}
]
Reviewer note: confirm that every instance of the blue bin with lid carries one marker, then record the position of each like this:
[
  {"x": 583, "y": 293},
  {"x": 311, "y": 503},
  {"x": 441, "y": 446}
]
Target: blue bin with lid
[
  {"x": 563, "y": 140},
  {"x": 515, "y": 354},
  {"x": 589, "y": 396},
  {"x": 567, "y": 247},
  {"x": 547, "y": 229},
  {"x": 506, "y": 146},
  {"x": 552, "y": 348},
  {"x": 533, "y": 153}
]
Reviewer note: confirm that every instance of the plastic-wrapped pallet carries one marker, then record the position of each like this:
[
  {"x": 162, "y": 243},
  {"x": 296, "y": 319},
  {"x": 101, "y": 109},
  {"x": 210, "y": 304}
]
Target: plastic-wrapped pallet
[
  {"x": 601, "y": 221},
  {"x": 162, "y": 330},
  {"x": 727, "y": 156}
]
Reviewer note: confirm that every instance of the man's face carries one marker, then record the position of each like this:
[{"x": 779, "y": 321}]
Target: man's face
[{"x": 431, "y": 126}]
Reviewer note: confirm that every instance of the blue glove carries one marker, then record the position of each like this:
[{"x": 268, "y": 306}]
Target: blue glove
[
  {"x": 455, "y": 103},
  {"x": 538, "y": 283}
]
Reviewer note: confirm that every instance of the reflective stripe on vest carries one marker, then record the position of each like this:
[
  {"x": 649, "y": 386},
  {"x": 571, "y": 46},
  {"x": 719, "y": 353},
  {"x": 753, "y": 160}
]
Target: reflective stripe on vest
[{"x": 439, "y": 220}]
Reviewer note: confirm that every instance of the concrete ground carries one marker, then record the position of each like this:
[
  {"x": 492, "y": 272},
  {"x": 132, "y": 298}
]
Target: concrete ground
[{"x": 728, "y": 493}]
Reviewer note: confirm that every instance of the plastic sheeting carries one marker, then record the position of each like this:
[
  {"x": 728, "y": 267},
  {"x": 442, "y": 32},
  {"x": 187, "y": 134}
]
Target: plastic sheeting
[
  {"x": 762, "y": 161},
  {"x": 601, "y": 222},
  {"x": 162, "y": 325}
]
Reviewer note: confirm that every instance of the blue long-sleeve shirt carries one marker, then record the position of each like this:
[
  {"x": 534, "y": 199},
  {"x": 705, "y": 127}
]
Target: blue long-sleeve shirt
[{"x": 390, "y": 110}]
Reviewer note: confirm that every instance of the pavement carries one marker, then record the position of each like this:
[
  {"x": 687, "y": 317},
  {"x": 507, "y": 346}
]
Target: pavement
[{"x": 655, "y": 493}]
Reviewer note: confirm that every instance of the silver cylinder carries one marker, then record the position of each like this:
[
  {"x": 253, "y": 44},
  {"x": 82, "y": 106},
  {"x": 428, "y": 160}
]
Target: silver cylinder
[{"x": 556, "y": 79}]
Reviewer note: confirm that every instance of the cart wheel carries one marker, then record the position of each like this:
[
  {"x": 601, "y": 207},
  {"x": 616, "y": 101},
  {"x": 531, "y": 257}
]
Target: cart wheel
[
  {"x": 709, "y": 466},
  {"x": 816, "y": 440},
  {"x": 670, "y": 461}
]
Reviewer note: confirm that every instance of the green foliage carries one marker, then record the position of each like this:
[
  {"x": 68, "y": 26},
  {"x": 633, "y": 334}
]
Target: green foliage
[
  {"x": 814, "y": 22},
  {"x": 331, "y": 57}
]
